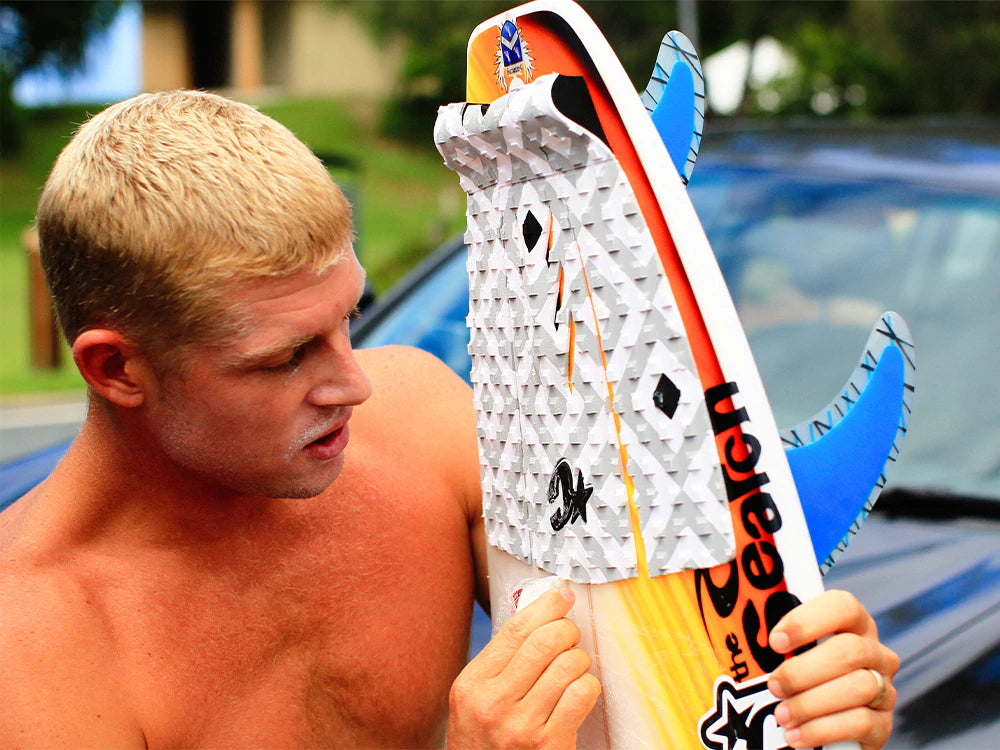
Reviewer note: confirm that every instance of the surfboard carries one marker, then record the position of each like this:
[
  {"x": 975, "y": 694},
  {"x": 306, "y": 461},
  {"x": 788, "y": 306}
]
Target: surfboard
[{"x": 626, "y": 442}]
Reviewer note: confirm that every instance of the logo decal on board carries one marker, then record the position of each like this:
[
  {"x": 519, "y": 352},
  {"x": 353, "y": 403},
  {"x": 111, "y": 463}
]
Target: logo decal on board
[
  {"x": 513, "y": 56},
  {"x": 574, "y": 497},
  {"x": 742, "y": 717}
]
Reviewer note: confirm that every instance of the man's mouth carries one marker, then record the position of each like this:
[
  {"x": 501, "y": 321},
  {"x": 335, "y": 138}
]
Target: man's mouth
[{"x": 330, "y": 445}]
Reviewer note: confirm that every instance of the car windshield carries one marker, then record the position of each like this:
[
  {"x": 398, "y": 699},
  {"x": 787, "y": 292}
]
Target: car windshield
[{"x": 811, "y": 261}]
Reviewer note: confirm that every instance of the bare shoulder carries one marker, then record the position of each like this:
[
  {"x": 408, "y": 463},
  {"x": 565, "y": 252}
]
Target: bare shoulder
[
  {"x": 404, "y": 371},
  {"x": 422, "y": 412},
  {"x": 412, "y": 387},
  {"x": 54, "y": 662}
]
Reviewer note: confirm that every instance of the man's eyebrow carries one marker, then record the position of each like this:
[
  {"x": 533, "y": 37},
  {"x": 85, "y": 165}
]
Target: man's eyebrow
[{"x": 264, "y": 353}]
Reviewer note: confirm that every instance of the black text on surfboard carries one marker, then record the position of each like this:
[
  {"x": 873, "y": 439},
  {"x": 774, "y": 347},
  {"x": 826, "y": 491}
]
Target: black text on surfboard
[{"x": 758, "y": 561}]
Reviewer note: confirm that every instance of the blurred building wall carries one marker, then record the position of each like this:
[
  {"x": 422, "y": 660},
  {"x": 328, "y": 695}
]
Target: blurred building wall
[
  {"x": 302, "y": 48},
  {"x": 164, "y": 48}
]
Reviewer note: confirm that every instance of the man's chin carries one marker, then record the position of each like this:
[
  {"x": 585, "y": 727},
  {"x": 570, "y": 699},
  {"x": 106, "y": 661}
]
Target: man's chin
[
  {"x": 301, "y": 488},
  {"x": 303, "y": 493},
  {"x": 305, "y": 490}
]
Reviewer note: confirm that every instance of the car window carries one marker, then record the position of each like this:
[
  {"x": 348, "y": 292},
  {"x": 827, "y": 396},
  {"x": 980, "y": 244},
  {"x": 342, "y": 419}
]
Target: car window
[
  {"x": 812, "y": 262},
  {"x": 431, "y": 317}
]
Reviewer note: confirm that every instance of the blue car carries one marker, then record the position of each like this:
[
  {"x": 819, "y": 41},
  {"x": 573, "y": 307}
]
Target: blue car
[{"x": 817, "y": 231}]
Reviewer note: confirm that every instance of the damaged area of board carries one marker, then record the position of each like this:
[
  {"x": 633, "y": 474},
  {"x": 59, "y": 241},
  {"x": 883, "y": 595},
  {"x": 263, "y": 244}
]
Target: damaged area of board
[{"x": 598, "y": 457}]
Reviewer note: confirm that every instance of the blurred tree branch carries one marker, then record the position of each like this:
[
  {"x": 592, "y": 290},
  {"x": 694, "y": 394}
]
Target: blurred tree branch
[
  {"x": 859, "y": 58},
  {"x": 36, "y": 34}
]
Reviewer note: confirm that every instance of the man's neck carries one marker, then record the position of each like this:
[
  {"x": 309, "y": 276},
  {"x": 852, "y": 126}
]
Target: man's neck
[{"x": 115, "y": 484}]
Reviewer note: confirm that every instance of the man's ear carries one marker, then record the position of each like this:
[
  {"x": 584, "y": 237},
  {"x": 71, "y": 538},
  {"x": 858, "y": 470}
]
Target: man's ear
[{"x": 112, "y": 365}]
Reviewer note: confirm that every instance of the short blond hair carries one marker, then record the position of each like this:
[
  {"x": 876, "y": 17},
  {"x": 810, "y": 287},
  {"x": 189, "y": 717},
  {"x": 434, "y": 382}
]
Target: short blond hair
[{"x": 161, "y": 198}]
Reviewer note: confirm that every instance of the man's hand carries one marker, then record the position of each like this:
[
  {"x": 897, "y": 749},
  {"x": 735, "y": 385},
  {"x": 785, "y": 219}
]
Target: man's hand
[
  {"x": 529, "y": 687},
  {"x": 830, "y": 693}
]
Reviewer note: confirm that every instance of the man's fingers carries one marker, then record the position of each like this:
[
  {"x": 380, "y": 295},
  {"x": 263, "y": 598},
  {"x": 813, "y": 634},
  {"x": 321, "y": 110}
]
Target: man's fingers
[
  {"x": 537, "y": 654},
  {"x": 870, "y": 727},
  {"x": 576, "y": 702},
  {"x": 855, "y": 689},
  {"x": 834, "y": 690},
  {"x": 828, "y": 688},
  {"x": 830, "y": 612},
  {"x": 565, "y": 669},
  {"x": 550, "y": 607},
  {"x": 835, "y": 656},
  {"x": 529, "y": 687}
]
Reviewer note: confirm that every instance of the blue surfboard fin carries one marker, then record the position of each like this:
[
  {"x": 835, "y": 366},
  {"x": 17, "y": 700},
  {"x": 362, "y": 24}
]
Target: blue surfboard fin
[
  {"x": 840, "y": 458},
  {"x": 675, "y": 99}
]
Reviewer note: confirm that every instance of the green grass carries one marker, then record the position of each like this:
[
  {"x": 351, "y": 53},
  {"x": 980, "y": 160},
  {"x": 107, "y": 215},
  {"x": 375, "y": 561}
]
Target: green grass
[
  {"x": 406, "y": 203},
  {"x": 21, "y": 181}
]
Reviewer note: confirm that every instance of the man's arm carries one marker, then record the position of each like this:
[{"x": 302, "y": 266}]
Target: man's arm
[{"x": 529, "y": 687}]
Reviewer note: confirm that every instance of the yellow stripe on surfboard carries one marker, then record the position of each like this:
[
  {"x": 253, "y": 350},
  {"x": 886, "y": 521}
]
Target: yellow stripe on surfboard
[{"x": 674, "y": 675}]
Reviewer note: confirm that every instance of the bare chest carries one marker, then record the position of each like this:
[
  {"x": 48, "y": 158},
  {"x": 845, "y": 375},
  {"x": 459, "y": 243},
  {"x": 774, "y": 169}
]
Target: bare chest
[{"x": 350, "y": 638}]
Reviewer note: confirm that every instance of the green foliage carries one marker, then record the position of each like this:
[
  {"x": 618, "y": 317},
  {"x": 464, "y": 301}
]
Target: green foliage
[
  {"x": 54, "y": 32},
  {"x": 11, "y": 117},
  {"x": 434, "y": 68},
  {"x": 21, "y": 178},
  {"x": 947, "y": 52},
  {"x": 34, "y": 34},
  {"x": 878, "y": 58},
  {"x": 859, "y": 58}
]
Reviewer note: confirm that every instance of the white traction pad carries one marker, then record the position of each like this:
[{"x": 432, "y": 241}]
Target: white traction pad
[{"x": 583, "y": 377}]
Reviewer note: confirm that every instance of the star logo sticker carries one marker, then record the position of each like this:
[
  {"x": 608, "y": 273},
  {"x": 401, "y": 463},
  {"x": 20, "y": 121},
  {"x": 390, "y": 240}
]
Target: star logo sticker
[
  {"x": 574, "y": 497},
  {"x": 742, "y": 718}
]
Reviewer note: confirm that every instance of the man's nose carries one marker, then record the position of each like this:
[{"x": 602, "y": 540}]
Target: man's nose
[{"x": 345, "y": 383}]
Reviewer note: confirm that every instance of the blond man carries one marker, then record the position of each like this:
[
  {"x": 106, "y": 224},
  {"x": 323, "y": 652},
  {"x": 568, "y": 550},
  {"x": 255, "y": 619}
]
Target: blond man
[{"x": 261, "y": 537}]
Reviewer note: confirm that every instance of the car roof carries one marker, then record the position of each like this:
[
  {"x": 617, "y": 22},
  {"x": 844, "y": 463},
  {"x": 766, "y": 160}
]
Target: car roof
[{"x": 959, "y": 154}]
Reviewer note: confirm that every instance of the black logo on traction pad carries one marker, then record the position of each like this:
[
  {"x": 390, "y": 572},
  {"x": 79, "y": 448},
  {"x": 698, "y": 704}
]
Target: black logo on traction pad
[
  {"x": 574, "y": 498},
  {"x": 742, "y": 717}
]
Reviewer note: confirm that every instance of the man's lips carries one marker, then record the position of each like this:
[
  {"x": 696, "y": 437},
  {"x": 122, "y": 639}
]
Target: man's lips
[{"x": 331, "y": 444}]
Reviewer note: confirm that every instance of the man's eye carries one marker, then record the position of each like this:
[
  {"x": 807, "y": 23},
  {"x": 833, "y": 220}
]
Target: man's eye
[
  {"x": 292, "y": 361},
  {"x": 349, "y": 319}
]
